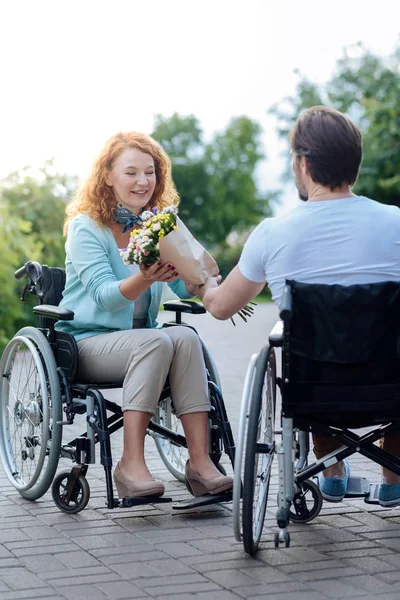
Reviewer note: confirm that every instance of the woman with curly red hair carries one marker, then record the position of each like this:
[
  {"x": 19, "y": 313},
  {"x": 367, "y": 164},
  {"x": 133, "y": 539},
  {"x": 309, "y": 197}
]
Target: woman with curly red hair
[{"x": 116, "y": 307}]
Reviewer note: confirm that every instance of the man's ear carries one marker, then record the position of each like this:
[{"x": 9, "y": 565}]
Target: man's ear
[{"x": 305, "y": 165}]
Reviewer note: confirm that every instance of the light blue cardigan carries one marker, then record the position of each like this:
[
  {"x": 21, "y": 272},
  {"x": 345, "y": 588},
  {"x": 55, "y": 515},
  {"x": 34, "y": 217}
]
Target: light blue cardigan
[{"x": 95, "y": 270}]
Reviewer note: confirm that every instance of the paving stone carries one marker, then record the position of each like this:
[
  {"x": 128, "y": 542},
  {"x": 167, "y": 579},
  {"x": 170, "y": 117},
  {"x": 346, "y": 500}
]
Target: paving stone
[
  {"x": 4, "y": 552},
  {"x": 180, "y": 549},
  {"x": 231, "y": 578},
  {"x": 49, "y": 549},
  {"x": 211, "y": 595},
  {"x": 118, "y": 590},
  {"x": 166, "y": 567},
  {"x": 272, "y": 590},
  {"x": 10, "y": 535},
  {"x": 42, "y": 563},
  {"x": 43, "y": 592},
  {"x": 128, "y": 557},
  {"x": 78, "y": 559},
  {"x": 335, "y": 589},
  {"x": 368, "y": 583},
  {"x": 87, "y": 592},
  {"x": 338, "y": 573},
  {"x": 21, "y": 579}
]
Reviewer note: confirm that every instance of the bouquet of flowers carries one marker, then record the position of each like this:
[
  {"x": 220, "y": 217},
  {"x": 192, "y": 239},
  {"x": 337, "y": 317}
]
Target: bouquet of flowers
[{"x": 164, "y": 237}]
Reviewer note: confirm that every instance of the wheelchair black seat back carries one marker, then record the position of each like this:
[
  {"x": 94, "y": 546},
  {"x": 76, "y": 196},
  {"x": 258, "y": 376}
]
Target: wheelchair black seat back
[
  {"x": 39, "y": 395},
  {"x": 340, "y": 371}
]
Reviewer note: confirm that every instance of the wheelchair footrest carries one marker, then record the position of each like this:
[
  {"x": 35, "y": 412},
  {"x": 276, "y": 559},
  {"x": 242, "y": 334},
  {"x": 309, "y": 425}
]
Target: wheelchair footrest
[
  {"x": 357, "y": 487},
  {"x": 203, "y": 501},
  {"x": 138, "y": 500},
  {"x": 372, "y": 497}
]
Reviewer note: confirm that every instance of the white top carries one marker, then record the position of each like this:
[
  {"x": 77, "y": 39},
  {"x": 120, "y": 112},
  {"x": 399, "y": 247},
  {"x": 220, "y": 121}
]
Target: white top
[
  {"x": 142, "y": 303},
  {"x": 347, "y": 241}
]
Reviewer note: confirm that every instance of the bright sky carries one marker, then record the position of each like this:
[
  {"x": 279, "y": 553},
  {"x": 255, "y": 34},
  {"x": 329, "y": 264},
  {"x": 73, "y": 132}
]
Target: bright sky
[{"x": 74, "y": 72}]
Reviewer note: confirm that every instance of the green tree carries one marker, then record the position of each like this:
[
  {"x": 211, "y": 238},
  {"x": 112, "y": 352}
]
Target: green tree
[
  {"x": 16, "y": 247},
  {"x": 40, "y": 197},
  {"x": 216, "y": 181},
  {"x": 366, "y": 87},
  {"x": 32, "y": 211}
]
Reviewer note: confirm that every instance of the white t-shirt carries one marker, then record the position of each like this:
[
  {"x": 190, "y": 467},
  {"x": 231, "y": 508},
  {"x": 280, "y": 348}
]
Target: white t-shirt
[{"x": 347, "y": 241}]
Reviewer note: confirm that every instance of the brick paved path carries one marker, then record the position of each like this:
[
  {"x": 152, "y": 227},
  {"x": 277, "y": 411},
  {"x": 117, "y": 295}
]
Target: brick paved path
[{"x": 350, "y": 551}]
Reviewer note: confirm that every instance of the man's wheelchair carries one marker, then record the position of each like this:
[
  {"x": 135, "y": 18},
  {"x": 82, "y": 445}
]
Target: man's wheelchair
[
  {"x": 39, "y": 394},
  {"x": 340, "y": 371}
]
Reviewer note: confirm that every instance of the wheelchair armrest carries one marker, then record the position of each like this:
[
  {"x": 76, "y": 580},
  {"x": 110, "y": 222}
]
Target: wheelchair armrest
[
  {"x": 49, "y": 311},
  {"x": 186, "y": 306},
  {"x": 276, "y": 336}
]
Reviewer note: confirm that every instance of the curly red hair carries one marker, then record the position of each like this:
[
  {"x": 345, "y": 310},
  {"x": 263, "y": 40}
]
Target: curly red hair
[{"x": 96, "y": 199}]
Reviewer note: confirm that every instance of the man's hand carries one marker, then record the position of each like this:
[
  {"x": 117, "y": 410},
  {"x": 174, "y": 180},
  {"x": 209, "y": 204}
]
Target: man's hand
[{"x": 211, "y": 283}]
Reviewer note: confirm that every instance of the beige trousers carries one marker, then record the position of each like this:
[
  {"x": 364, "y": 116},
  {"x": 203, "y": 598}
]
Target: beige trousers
[{"x": 141, "y": 359}]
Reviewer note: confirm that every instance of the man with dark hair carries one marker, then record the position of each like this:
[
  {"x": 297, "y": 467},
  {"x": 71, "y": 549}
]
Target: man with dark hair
[{"x": 334, "y": 237}]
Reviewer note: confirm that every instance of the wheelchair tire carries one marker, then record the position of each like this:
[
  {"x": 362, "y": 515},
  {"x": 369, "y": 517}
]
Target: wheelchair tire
[
  {"x": 30, "y": 413},
  {"x": 173, "y": 456},
  {"x": 240, "y": 446},
  {"x": 260, "y": 449},
  {"x": 307, "y": 502},
  {"x": 80, "y": 496}
]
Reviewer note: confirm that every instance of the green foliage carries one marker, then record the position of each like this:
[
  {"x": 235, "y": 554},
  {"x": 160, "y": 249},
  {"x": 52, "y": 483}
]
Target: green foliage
[
  {"x": 16, "y": 247},
  {"x": 367, "y": 88},
  {"x": 32, "y": 212},
  {"x": 216, "y": 181},
  {"x": 41, "y": 198}
]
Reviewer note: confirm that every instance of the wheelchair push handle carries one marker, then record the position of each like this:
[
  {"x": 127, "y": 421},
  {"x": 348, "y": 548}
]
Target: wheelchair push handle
[
  {"x": 32, "y": 269},
  {"x": 285, "y": 308}
]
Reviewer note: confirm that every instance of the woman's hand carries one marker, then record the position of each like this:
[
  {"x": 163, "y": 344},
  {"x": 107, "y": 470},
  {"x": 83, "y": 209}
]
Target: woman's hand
[{"x": 158, "y": 272}]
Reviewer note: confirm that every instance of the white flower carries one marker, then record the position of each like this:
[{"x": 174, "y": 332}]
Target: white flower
[
  {"x": 146, "y": 215},
  {"x": 157, "y": 226}
]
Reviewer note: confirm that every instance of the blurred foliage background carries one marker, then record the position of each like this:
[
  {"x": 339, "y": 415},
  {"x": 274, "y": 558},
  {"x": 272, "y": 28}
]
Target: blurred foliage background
[{"x": 220, "y": 197}]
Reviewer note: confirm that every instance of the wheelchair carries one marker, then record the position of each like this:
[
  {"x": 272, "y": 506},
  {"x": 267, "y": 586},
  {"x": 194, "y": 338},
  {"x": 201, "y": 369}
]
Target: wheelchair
[
  {"x": 340, "y": 350},
  {"x": 39, "y": 395}
]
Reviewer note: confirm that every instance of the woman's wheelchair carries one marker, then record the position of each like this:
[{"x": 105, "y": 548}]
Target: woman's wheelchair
[
  {"x": 39, "y": 395},
  {"x": 340, "y": 371}
]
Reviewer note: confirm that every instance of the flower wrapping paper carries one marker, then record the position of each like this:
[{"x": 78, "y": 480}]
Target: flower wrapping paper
[{"x": 191, "y": 260}]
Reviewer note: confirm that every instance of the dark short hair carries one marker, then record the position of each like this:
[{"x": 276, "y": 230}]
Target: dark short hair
[{"x": 331, "y": 143}]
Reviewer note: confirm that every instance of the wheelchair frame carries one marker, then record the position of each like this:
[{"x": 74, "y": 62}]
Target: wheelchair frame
[
  {"x": 299, "y": 497},
  {"x": 70, "y": 490}
]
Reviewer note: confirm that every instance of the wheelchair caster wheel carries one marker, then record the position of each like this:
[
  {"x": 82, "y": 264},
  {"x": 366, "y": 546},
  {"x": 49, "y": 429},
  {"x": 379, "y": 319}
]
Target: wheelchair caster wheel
[
  {"x": 285, "y": 538},
  {"x": 80, "y": 494},
  {"x": 307, "y": 502}
]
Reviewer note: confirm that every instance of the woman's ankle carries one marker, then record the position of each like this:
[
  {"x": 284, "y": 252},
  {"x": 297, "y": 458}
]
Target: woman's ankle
[
  {"x": 336, "y": 470},
  {"x": 389, "y": 477}
]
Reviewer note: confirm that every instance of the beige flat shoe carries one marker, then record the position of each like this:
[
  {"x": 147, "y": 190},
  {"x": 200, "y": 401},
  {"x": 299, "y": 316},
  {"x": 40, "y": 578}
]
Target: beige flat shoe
[
  {"x": 128, "y": 488},
  {"x": 198, "y": 486}
]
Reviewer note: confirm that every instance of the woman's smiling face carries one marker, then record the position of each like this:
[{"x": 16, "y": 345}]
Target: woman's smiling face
[{"x": 133, "y": 179}]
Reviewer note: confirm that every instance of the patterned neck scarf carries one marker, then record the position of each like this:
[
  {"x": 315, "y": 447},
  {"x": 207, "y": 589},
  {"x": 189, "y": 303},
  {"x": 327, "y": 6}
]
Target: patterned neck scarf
[{"x": 126, "y": 217}]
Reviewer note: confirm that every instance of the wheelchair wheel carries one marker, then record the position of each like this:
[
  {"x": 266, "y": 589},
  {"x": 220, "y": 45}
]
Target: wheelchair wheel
[
  {"x": 260, "y": 449},
  {"x": 240, "y": 445},
  {"x": 80, "y": 495},
  {"x": 307, "y": 502},
  {"x": 174, "y": 456},
  {"x": 30, "y": 413}
]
